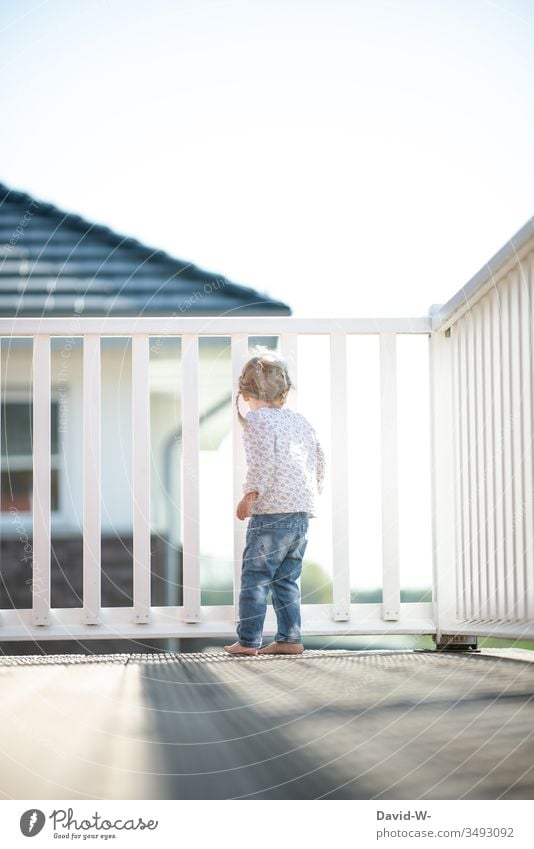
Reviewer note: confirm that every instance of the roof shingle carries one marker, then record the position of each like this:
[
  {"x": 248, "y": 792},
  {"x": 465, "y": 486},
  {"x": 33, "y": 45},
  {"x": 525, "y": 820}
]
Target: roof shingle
[{"x": 54, "y": 262}]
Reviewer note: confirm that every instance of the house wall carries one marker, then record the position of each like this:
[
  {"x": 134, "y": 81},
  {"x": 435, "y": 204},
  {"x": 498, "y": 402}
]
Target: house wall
[{"x": 66, "y": 573}]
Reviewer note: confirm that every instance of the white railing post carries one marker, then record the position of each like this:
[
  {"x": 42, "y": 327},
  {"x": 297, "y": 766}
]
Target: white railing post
[
  {"x": 498, "y": 388},
  {"x": 459, "y": 606},
  {"x": 91, "y": 480},
  {"x": 470, "y": 371},
  {"x": 190, "y": 476},
  {"x": 141, "y": 477},
  {"x": 442, "y": 481},
  {"x": 390, "y": 476},
  {"x": 526, "y": 309},
  {"x": 289, "y": 350},
  {"x": 239, "y": 358},
  {"x": 340, "y": 478},
  {"x": 489, "y": 463},
  {"x": 482, "y": 438},
  {"x": 1, "y": 432},
  {"x": 507, "y": 367},
  {"x": 41, "y": 479},
  {"x": 518, "y": 404}
]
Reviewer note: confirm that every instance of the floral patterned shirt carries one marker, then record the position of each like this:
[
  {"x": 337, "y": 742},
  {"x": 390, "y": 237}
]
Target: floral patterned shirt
[{"x": 286, "y": 464}]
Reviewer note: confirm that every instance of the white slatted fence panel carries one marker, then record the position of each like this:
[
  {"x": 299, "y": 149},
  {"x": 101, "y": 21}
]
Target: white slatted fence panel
[
  {"x": 493, "y": 411},
  {"x": 508, "y": 503},
  {"x": 489, "y": 462},
  {"x": 464, "y": 587},
  {"x": 472, "y": 460},
  {"x": 526, "y": 312},
  {"x": 478, "y": 448},
  {"x": 141, "y": 477},
  {"x": 517, "y": 483},
  {"x": 498, "y": 453},
  {"x": 453, "y": 607},
  {"x": 191, "y": 478}
]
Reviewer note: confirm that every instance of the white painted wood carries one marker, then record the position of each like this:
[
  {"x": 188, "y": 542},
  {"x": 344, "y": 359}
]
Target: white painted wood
[
  {"x": 340, "y": 478},
  {"x": 517, "y": 438},
  {"x": 471, "y": 588},
  {"x": 191, "y": 477},
  {"x": 168, "y": 622},
  {"x": 240, "y": 355},
  {"x": 489, "y": 462},
  {"x": 479, "y": 449},
  {"x": 527, "y": 406},
  {"x": 496, "y": 382},
  {"x": 289, "y": 351},
  {"x": 214, "y": 326},
  {"x": 91, "y": 479},
  {"x": 481, "y": 378},
  {"x": 141, "y": 477},
  {"x": 443, "y": 484},
  {"x": 452, "y": 607},
  {"x": 1, "y": 431},
  {"x": 499, "y": 629},
  {"x": 498, "y": 451},
  {"x": 510, "y": 257},
  {"x": 506, "y": 367},
  {"x": 464, "y": 587},
  {"x": 41, "y": 480},
  {"x": 389, "y": 475}
]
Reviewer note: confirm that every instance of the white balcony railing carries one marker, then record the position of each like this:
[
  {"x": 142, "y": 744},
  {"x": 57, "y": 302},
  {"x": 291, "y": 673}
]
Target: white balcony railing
[
  {"x": 483, "y": 400},
  {"x": 190, "y": 618},
  {"x": 481, "y": 390}
]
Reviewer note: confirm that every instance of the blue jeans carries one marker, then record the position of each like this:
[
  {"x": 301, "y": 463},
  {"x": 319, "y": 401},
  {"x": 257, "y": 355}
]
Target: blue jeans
[{"x": 272, "y": 560}]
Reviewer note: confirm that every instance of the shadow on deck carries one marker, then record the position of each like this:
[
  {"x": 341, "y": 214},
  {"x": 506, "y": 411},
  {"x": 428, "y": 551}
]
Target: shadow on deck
[{"x": 330, "y": 724}]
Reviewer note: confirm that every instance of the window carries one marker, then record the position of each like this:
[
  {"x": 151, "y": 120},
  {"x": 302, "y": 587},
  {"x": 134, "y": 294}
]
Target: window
[{"x": 16, "y": 455}]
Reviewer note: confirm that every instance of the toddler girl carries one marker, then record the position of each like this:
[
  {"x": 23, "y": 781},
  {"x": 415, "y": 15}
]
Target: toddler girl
[{"x": 285, "y": 470}]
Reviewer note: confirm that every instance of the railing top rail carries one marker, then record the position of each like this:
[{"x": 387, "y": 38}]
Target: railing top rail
[
  {"x": 511, "y": 253},
  {"x": 206, "y": 325}
]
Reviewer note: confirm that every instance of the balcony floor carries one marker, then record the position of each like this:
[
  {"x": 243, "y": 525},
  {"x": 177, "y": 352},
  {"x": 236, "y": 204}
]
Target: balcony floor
[{"x": 339, "y": 725}]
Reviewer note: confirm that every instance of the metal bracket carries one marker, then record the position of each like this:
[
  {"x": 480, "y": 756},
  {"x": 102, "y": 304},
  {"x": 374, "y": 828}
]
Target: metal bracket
[{"x": 455, "y": 642}]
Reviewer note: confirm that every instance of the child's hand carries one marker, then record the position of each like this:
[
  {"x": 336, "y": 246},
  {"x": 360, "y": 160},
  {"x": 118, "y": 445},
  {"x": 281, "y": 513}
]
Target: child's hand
[{"x": 243, "y": 509}]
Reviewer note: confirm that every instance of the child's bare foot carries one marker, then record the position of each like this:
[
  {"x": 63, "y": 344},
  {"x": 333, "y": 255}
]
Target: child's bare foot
[
  {"x": 282, "y": 648},
  {"x": 237, "y": 648}
]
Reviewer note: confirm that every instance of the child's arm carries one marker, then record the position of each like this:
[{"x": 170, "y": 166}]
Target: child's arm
[{"x": 244, "y": 508}]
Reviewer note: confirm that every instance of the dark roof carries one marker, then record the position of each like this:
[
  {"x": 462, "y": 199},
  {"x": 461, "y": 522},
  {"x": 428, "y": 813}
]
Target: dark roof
[{"x": 56, "y": 263}]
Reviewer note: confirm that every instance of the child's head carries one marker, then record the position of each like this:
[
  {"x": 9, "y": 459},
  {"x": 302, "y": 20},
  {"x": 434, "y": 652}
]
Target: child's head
[{"x": 265, "y": 377}]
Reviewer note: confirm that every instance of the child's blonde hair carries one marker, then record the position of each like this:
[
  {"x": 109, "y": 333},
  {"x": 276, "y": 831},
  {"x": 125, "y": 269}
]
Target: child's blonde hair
[{"x": 264, "y": 376}]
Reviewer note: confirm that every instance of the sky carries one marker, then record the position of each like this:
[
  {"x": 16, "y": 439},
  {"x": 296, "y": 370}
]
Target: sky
[{"x": 350, "y": 157}]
